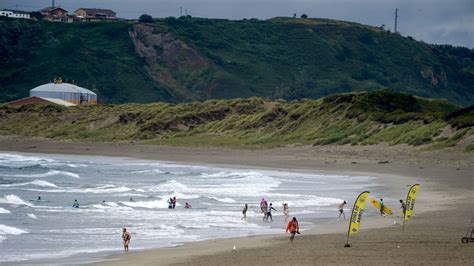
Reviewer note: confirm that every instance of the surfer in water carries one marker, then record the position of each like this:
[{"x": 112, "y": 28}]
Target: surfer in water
[
  {"x": 294, "y": 228},
  {"x": 269, "y": 213},
  {"x": 75, "y": 204},
  {"x": 126, "y": 239},
  {"x": 286, "y": 211},
  {"x": 403, "y": 206},
  {"x": 131, "y": 199},
  {"x": 39, "y": 198},
  {"x": 341, "y": 210},
  {"x": 244, "y": 212},
  {"x": 174, "y": 202},
  {"x": 187, "y": 206}
]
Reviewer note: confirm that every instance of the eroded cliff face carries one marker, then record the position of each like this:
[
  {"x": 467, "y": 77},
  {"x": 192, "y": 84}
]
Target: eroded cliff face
[{"x": 171, "y": 62}]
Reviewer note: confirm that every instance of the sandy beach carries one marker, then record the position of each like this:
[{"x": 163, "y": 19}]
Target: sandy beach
[{"x": 442, "y": 214}]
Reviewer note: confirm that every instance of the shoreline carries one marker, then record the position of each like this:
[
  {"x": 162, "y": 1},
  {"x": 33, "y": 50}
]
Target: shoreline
[{"x": 440, "y": 193}]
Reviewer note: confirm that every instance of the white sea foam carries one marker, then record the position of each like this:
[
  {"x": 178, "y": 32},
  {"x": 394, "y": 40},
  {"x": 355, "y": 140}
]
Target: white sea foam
[
  {"x": 150, "y": 171},
  {"x": 224, "y": 200},
  {"x": 6, "y": 157},
  {"x": 40, "y": 183},
  {"x": 32, "y": 216},
  {"x": 104, "y": 189},
  {"x": 50, "y": 173},
  {"x": 10, "y": 230},
  {"x": 154, "y": 204},
  {"x": 14, "y": 200},
  {"x": 3, "y": 211}
]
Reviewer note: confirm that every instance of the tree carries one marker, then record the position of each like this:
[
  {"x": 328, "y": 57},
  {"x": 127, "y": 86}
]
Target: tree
[
  {"x": 304, "y": 16},
  {"x": 145, "y": 18}
]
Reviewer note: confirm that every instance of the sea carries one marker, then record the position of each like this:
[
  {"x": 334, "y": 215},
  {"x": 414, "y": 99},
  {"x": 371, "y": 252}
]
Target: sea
[{"x": 117, "y": 192}]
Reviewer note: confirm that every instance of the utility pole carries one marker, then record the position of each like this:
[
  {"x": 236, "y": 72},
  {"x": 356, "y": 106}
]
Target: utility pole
[
  {"x": 180, "y": 11},
  {"x": 396, "y": 19},
  {"x": 186, "y": 12}
]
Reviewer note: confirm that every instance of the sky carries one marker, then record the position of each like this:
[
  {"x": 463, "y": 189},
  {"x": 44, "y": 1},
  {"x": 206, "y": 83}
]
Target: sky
[{"x": 432, "y": 21}]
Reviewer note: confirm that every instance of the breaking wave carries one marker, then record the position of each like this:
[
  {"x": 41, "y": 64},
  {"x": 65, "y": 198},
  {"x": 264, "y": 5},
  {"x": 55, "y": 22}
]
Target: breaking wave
[{"x": 14, "y": 200}]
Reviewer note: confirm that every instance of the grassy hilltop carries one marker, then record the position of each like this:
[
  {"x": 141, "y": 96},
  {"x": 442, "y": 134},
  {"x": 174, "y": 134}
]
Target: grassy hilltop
[
  {"x": 355, "y": 118},
  {"x": 188, "y": 59}
]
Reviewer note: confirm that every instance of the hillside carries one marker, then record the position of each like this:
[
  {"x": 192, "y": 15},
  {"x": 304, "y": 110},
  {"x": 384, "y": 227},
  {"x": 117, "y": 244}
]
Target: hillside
[
  {"x": 356, "y": 119},
  {"x": 187, "y": 59}
]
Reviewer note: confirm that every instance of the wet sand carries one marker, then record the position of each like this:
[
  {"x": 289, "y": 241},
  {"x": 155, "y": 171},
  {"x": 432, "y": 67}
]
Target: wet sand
[{"x": 442, "y": 214}]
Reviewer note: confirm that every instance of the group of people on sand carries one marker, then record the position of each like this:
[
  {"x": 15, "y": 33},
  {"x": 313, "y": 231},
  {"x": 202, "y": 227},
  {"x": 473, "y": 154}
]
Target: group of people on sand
[{"x": 265, "y": 208}]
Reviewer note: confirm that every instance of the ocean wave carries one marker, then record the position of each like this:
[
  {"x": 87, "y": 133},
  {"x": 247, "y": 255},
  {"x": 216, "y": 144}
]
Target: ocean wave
[
  {"x": 224, "y": 200},
  {"x": 10, "y": 230},
  {"x": 150, "y": 171},
  {"x": 154, "y": 204},
  {"x": 179, "y": 195},
  {"x": 37, "y": 182},
  {"x": 14, "y": 200},
  {"x": 7, "y": 157},
  {"x": 170, "y": 185},
  {"x": 3, "y": 211},
  {"x": 50, "y": 173},
  {"x": 104, "y": 189},
  {"x": 32, "y": 216}
]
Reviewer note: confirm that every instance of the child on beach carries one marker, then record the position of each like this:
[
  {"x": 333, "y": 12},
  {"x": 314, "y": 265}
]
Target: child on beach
[
  {"x": 126, "y": 239},
  {"x": 341, "y": 210},
  {"x": 263, "y": 206},
  {"x": 286, "y": 211},
  {"x": 244, "y": 212},
  {"x": 294, "y": 228}
]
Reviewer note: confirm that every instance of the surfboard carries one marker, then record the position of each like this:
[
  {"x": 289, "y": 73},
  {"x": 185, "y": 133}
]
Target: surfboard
[
  {"x": 386, "y": 209},
  {"x": 36, "y": 200}
]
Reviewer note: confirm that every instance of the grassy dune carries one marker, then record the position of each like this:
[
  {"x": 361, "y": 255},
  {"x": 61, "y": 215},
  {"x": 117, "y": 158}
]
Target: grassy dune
[{"x": 355, "y": 119}]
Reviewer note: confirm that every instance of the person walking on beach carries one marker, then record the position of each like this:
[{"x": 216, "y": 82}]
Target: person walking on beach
[
  {"x": 126, "y": 239},
  {"x": 174, "y": 202},
  {"x": 294, "y": 228},
  {"x": 263, "y": 206},
  {"x": 382, "y": 205},
  {"x": 244, "y": 212},
  {"x": 341, "y": 210},
  {"x": 286, "y": 211},
  {"x": 269, "y": 213},
  {"x": 403, "y": 206}
]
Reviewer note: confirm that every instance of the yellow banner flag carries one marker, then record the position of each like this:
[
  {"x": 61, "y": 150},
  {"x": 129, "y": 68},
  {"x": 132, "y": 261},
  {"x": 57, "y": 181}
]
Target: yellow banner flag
[
  {"x": 410, "y": 202},
  {"x": 357, "y": 211}
]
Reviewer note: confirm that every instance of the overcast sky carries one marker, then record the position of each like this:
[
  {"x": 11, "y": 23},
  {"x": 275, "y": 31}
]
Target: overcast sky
[{"x": 433, "y": 21}]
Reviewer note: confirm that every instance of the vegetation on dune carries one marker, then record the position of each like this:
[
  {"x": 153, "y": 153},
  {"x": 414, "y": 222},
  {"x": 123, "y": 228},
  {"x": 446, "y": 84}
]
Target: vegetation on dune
[
  {"x": 187, "y": 59},
  {"x": 353, "y": 118}
]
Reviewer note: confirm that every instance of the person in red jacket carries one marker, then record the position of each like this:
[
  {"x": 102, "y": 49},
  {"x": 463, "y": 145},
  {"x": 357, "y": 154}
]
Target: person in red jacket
[{"x": 293, "y": 228}]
